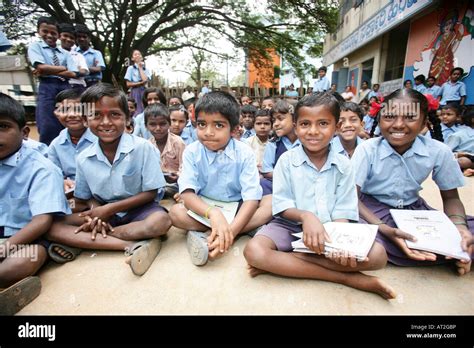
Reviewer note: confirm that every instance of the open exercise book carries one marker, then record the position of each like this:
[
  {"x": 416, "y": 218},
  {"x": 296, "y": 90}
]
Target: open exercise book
[
  {"x": 357, "y": 239},
  {"x": 228, "y": 209},
  {"x": 434, "y": 231}
]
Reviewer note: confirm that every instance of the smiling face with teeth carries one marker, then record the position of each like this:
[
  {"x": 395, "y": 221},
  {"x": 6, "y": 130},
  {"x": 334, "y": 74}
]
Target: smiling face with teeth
[
  {"x": 108, "y": 122},
  {"x": 400, "y": 132}
]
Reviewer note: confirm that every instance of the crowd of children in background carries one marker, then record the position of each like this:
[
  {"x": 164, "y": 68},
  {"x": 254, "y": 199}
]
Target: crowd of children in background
[{"x": 291, "y": 166}]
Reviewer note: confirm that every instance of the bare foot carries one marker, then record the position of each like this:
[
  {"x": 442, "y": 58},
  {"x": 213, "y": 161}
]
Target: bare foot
[
  {"x": 63, "y": 253},
  {"x": 463, "y": 267},
  {"x": 372, "y": 284},
  {"x": 254, "y": 271}
]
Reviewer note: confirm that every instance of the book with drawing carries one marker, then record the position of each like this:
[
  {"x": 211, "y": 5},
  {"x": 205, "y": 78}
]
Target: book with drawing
[
  {"x": 228, "y": 209},
  {"x": 357, "y": 239},
  {"x": 434, "y": 231}
]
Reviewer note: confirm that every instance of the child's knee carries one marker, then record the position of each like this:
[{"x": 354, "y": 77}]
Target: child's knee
[
  {"x": 377, "y": 257},
  {"x": 176, "y": 213},
  {"x": 254, "y": 252}
]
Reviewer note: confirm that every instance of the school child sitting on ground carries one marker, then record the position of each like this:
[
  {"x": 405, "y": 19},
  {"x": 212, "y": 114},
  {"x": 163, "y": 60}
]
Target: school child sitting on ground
[
  {"x": 450, "y": 121},
  {"x": 30, "y": 194},
  {"x": 349, "y": 127},
  {"x": 33, "y": 144},
  {"x": 258, "y": 142},
  {"x": 118, "y": 177},
  {"x": 72, "y": 140},
  {"x": 313, "y": 185},
  {"x": 54, "y": 66},
  {"x": 462, "y": 144},
  {"x": 390, "y": 170},
  {"x": 132, "y": 106},
  {"x": 171, "y": 146},
  {"x": 220, "y": 168},
  {"x": 268, "y": 102},
  {"x": 247, "y": 115},
  {"x": 179, "y": 117},
  {"x": 151, "y": 95}
]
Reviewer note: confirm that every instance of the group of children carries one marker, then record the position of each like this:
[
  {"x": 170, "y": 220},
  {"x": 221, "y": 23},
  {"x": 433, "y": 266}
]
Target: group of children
[{"x": 317, "y": 169}]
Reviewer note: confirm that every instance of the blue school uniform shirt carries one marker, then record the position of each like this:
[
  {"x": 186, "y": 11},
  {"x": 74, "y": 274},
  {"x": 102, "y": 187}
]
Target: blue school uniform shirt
[
  {"x": 139, "y": 128},
  {"x": 135, "y": 169},
  {"x": 189, "y": 134},
  {"x": 337, "y": 147},
  {"x": 462, "y": 141},
  {"x": 433, "y": 90},
  {"x": 133, "y": 74},
  {"x": 452, "y": 92},
  {"x": 396, "y": 179},
  {"x": 42, "y": 148},
  {"x": 449, "y": 131},
  {"x": 41, "y": 53},
  {"x": 321, "y": 85},
  {"x": 420, "y": 88},
  {"x": 63, "y": 152},
  {"x": 329, "y": 193},
  {"x": 270, "y": 152},
  {"x": 229, "y": 175},
  {"x": 368, "y": 123},
  {"x": 93, "y": 58},
  {"x": 248, "y": 133},
  {"x": 30, "y": 185}
]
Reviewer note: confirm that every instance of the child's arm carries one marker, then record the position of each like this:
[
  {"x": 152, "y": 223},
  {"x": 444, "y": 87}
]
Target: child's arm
[
  {"x": 39, "y": 225},
  {"x": 219, "y": 225},
  {"x": 45, "y": 69},
  {"x": 245, "y": 213},
  {"x": 268, "y": 160},
  {"x": 454, "y": 208}
]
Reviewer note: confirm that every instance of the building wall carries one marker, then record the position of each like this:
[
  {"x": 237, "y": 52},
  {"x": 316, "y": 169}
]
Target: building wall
[
  {"x": 264, "y": 75},
  {"x": 433, "y": 52}
]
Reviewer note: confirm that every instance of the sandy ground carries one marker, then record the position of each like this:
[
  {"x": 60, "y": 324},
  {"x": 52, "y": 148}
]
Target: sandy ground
[{"x": 100, "y": 282}]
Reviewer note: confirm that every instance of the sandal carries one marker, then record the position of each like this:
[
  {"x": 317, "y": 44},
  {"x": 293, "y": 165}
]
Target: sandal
[
  {"x": 197, "y": 247},
  {"x": 58, "y": 257},
  {"x": 143, "y": 254},
  {"x": 17, "y": 296}
]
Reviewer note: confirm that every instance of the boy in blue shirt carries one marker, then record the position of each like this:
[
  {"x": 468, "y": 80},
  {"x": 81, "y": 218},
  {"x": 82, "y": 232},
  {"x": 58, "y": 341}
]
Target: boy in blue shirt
[
  {"x": 349, "y": 127},
  {"x": 220, "y": 168},
  {"x": 118, "y": 178},
  {"x": 54, "y": 66},
  {"x": 322, "y": 84},
  {"x": 94, "y": 59},
  {"x": 30, "y": 194},
  {"x": 453, "y": 91},
  {"x": 72, "y": 140},
  {"x": 313, "y": 185}
]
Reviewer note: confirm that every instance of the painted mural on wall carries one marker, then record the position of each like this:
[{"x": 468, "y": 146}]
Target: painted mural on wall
[{"x": 442, "y": 40}]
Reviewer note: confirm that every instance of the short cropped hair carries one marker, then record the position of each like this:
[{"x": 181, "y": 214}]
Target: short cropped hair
[
  {"x": 326, "y": 99},
  {"x": 156, "y": 110},
  {"x": 248, "y": 109},
  {"x": 12, "y": 110},
  {"x": 46, "y": 20},
  {"x": 355, "y": 108},
  {"x": 96, "y": 92},
  {"x": 70, "y": 93},
  {"x": 219, "y": 102}
]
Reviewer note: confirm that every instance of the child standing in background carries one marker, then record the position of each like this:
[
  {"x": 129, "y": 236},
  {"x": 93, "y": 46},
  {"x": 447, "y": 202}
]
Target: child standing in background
[
  {"x": 171, "y": 146},
  {"x": 390, "y": 170},
  {"x": 137, "y": 77},
  {"x": 313, "y": 185}
]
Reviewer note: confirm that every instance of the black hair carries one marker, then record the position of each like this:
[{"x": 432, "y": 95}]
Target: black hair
[
  {"x": 190, "y": 101},
  {"x": 435, "y": 129},
  {"x": 336, "y": 95},
  {"x": 452, "y": 106},
  {"x": 264, "y": 113},
  {"x": 67, "y": 28},
  {"x": 326, "y": 99},
  {"x": 323, "y": 68},
  {"x": 96, "y": 92},
  {"x": 282, "y": 107},
  {"x": 12, "y": 110},
  {"x": 420, "y": 78},
  {"x": 82, "y": 29},
  {"x": 132, "y": 100},
  {"x": 353, "y": 107},
  {"x": 431, "y": 77},
  {"x": 461, "y": 70},
  {"x": 405, "y": 82},
  {"x": 467, "y": 116},
  {"x": 181, "y": 102},
  {"x": 180, "y": 108},
  {"x": 156, "y": 110},
  {"x": 46, "y": 20},
  {"x": 249, "y": 109},
  {"x": 159, "y": 93},
  {"x": 70, "y": 93},
  {"x": 375, "y": 84},
  {"x": 268, "y": 97},
  {"x": 219, "y": 102}
]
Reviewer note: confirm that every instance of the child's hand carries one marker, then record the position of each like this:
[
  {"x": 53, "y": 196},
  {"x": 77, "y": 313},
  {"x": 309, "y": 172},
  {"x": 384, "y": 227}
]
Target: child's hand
[
  {"x": 314, "y": 234},
  {"x": 343, "y": 258},
  {"x": 95, "y": 225},
  {"x": 177, "y": 198},
  {"x": 399, "y": 237},
  {"x": 221, "y": 233},
  {"x": 102, "y": 212},
  {"x": 68, "y": 184}
]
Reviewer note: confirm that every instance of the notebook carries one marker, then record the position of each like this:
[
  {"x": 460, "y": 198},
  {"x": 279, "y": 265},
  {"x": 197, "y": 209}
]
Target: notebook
[
  {"x": 434, "y": 232},
  {"x": 228, "y": 209},
  {"x": 357, "y": 239}
]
